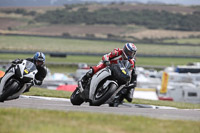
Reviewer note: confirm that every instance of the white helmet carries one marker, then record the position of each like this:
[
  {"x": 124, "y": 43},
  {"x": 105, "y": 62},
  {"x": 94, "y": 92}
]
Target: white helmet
[{"x": 129, "y": 51}]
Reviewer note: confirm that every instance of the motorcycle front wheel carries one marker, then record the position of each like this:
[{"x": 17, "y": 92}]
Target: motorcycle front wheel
[
  {"x": 9, "y": 89},
  {"x": 75, "y": 97},
  {"x": 102, "y": 95}
]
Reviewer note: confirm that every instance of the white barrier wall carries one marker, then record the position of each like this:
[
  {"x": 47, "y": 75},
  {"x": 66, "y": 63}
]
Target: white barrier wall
[{"x": 183, "y": 87}]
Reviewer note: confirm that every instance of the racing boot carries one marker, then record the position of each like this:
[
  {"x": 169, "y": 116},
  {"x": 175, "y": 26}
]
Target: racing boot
[
  {"x": 27, "y": 89},
  {"x": 129, "y": 95},
  {"x": 86, "y": 77},
  {"x": 83, "y": 84},
  {"x": 131, "y": 87},
  {"x": 117, "y": 101}
]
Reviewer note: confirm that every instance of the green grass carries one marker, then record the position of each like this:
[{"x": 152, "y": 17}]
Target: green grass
[
  {"x": 164, "y": 61},
  {"x": 34, "y": 91},
  {"x": 93, "y": 60},
  {"x": 55, "y": 44},
  {"x": 74, "y": 45},
  {"x": 62, "y": 69},
  {"x": 184, "y": 41},
  {"x": 63, "y": 94},
  {"x": 179, "y": 105},
  {"x": 14, "y": 120},
  {"x": 68, "y": 59}
]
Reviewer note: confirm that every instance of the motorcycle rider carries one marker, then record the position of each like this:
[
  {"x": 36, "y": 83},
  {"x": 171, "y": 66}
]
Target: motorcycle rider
[
  {"x": 39, "y": 60},
  {"x": 127, "y": 53}
]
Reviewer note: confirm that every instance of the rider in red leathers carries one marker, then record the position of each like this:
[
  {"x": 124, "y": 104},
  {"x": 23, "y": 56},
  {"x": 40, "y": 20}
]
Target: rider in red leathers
[{"x": 127, "y": 53}]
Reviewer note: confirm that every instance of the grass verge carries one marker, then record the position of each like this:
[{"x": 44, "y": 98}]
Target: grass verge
[
  {"x": 95, "y": 59},
  {"x": 34, "y": 91},
  {"x": 195, "y": 41},
  {"x": 24, "y": 43},
  {"x": 44, "y": 121}
]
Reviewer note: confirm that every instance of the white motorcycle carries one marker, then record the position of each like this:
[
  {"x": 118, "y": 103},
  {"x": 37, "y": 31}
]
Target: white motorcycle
[
  {"x": 17, "y": 80},
  {"x": 104, "y": 86}
]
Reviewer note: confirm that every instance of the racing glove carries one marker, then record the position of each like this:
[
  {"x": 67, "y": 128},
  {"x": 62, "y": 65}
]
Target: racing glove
[
  {"x": 17, "y": 61},
  {"x": 38, "y": 82}
]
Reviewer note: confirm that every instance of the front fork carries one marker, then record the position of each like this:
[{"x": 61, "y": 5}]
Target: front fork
[{"x": 84, "y": 90}]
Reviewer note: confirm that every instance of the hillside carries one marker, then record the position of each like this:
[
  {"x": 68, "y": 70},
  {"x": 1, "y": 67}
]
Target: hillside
[
  {"x": 61, "y": 2},
  {"x": 51, "y": 21}
]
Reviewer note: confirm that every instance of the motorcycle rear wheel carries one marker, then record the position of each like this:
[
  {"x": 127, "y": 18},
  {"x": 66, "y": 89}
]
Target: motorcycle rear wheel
[
  {"x": 75, "y": 97},
  {"x": 9, "y": 90}
]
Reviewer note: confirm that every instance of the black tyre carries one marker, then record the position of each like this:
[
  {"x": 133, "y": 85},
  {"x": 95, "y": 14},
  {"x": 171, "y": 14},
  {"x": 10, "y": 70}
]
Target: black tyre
[
  {"x": 9, "y": 90},
  {"x": 102, "y": 95},
  {"x": 75, "y": 97},
  {"x": 114, "y": 104}
]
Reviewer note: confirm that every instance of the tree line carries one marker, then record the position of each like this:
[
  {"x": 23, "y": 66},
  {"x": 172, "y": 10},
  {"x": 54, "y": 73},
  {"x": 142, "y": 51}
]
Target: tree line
[
  {"x": 20, "y": 11},
  {"x": 148, "y": 18},
  {"x": 151, "y": 19}
]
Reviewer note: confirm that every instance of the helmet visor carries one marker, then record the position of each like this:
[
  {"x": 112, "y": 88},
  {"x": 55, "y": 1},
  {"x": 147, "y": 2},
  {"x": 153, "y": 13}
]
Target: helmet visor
[
  {"x": 39, "y": 63},
  {"x": 129, "y": 54}
]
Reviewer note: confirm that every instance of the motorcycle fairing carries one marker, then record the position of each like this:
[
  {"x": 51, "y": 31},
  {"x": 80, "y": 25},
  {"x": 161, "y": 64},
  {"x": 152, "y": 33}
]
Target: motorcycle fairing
[
  {"x": 96, "y": 79},
  {"x": 108, "y": 82},
  {"x": 4, "y": 79},
  {"x": 29, "y": 70},
  {"x": 20, "y": 68}
]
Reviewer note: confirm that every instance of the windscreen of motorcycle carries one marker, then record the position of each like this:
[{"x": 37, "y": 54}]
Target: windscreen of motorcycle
[
  {"x": 121, "y": 72},
  {"x": 29, "y": 71}
]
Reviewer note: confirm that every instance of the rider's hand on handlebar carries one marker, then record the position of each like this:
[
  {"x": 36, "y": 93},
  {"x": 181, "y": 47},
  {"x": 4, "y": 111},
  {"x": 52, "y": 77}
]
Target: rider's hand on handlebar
[
  {"x": 17, "y": 61},
  {"x": 106, "y": 62}
]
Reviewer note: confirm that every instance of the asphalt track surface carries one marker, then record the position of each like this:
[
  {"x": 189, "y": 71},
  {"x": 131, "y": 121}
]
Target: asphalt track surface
[{"x": 125, "y": 109}]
